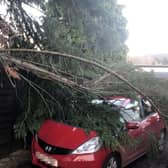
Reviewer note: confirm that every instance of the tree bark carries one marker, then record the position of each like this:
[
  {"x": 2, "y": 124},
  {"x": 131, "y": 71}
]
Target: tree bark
[
  {"x": 108, "y": 70},
  {"x": 42, "y": 73},
  {"x": 52, "y": 76}
]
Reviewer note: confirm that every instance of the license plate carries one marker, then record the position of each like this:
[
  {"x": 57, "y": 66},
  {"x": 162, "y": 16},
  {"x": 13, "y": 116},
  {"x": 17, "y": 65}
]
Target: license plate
[{"x": 46, "y": 159}]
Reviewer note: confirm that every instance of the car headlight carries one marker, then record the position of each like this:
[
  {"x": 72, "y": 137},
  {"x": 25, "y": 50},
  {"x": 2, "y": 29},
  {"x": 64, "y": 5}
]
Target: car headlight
[{"x": 91, "y": 146}]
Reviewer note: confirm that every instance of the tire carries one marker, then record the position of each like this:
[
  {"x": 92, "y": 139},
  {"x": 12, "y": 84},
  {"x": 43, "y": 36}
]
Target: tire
[
  {"x": 162, "y": 141},
  {"x": 112, "y": 161}
]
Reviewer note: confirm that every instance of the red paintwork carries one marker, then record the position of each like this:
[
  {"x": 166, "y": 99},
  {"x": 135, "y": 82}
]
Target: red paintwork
[
  {"x": 54, "y": 133},
  {"x": 94, "y": 160},
  {"x": 62, "y": 135}
]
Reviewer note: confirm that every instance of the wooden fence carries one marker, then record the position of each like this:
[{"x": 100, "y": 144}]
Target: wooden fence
[{"x": 9, "y": 110}]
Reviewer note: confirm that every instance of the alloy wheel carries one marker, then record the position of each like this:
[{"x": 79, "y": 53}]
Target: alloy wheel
[{"x": 112, "y": 163}]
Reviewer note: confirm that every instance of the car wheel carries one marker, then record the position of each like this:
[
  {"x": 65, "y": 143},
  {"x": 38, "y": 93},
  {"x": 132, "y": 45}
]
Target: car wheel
[
  {"x": 162, "y": 141},
  {"x": 112, "y": 162}
]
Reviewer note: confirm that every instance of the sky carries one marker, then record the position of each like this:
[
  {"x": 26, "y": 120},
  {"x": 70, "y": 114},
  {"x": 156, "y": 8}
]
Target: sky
[
  {"x": 33, "y": 12},
  {"x": 147, "y": 26}
]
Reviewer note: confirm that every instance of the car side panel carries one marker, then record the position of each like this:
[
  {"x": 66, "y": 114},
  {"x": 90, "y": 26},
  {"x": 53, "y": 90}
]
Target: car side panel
[
  {"x": 136, "y": 147},
  {"x": 152, "y": 125}
]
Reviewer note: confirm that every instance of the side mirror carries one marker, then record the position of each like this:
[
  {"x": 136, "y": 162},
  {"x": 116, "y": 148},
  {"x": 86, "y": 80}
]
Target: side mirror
[{"x": 132, "y": 125}]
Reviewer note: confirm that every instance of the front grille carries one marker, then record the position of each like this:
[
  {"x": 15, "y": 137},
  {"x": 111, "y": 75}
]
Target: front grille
[{"x": 50, "y": 149}]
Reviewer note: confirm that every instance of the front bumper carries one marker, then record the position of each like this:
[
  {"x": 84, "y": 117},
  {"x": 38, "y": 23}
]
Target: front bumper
[{"x": 94, "y": 160}]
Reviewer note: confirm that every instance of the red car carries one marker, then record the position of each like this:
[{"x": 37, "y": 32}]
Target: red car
[{"x": 64, "y": 146}]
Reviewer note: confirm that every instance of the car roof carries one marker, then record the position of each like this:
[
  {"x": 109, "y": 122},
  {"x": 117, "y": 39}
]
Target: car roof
[{"x": 118, "y": 101}]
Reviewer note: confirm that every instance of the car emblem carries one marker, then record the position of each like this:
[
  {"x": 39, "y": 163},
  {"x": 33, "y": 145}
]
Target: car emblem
[{"x": 48, "y": 148}]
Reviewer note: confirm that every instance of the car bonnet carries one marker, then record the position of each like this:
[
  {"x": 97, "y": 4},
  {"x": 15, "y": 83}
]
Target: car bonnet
[{"x": 63, "y": 135}]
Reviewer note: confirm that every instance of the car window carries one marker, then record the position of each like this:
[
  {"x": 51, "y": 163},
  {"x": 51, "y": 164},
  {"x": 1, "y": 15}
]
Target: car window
[
  {"x": 147, "y": 108},
  {"x": 132, "y": 114},
  {"x": 130, "y": 110}
]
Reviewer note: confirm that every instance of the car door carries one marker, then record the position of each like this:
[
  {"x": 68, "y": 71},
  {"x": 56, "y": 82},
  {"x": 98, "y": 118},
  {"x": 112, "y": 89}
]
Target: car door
[
  {"x": 135, "y": 132},
  {"x": 151, "y": 123},
  {"x": 137, "y": 137}
]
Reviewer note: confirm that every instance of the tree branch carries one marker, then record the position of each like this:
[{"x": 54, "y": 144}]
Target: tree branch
[
  {"x": 86, "y": 61},
  {"x": 42, "y": 73},
  {"x": 51, "y": 76}
]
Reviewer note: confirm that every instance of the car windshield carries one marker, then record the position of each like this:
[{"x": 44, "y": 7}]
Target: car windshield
[
  {"x": 129, "y": 110},
  {"x": 118, "y": 102}
]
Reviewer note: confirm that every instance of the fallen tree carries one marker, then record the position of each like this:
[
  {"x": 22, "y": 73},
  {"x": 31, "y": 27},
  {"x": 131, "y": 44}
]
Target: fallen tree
[
  {"x": 83, "y": 60},
  {"x": 48, "y": 75},
  {"x": 51, "y": 95}
]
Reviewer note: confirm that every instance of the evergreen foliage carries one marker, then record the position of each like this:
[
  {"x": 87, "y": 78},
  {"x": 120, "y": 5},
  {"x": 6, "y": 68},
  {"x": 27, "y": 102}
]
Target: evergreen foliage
[
  {"x": 92, "y": 29},
  {"x": 29, "y": 32},
  {"x": 55, "y": 101},
  {"x": 68, "y": 106}
]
